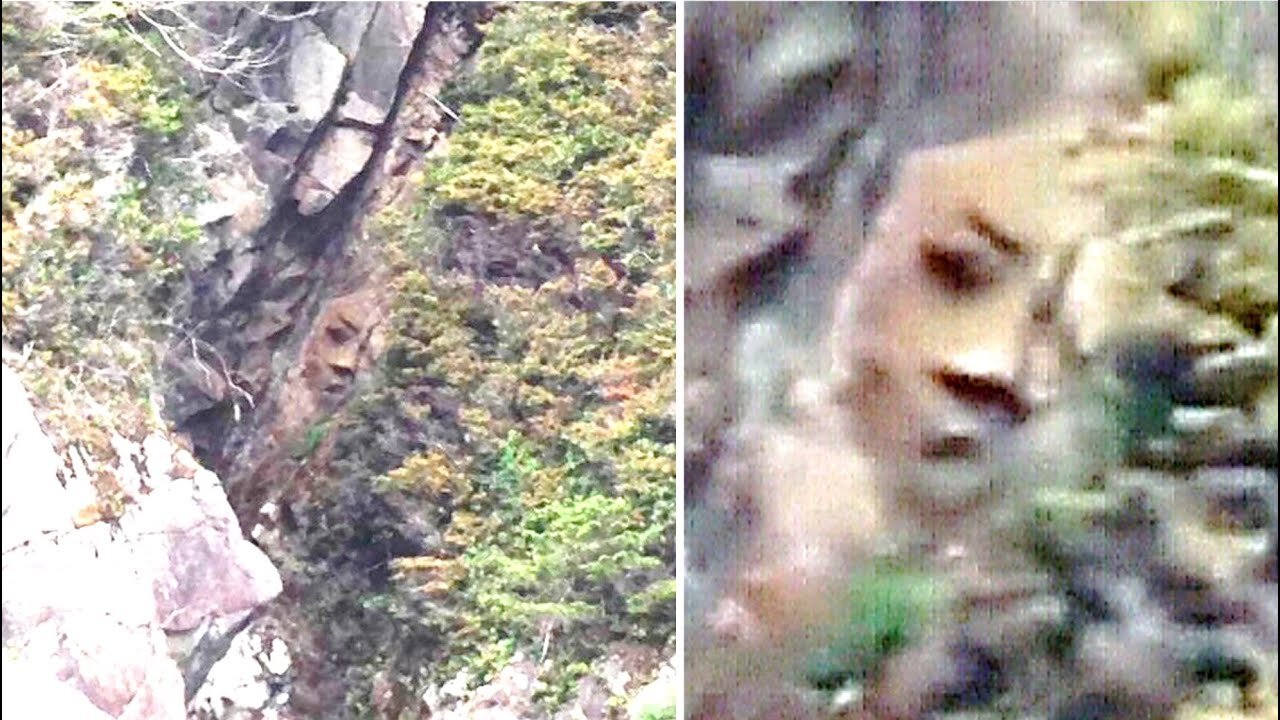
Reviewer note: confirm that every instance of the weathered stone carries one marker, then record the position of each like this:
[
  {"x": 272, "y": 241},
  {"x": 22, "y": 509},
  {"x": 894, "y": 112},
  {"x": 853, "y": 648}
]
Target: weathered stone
[
  {"x": 272, "y": 135},
  {"x": 34, "y": 502},
  {"x": 730, "y": 232},
  {"x": 210, "y": 574},
  {"x": 52, "y": 584},
  {"x": 375, "y": 74},
  {"x": 107, "y": 658},
  {"x": 240, "y": 682},
  {"x": 255, "y": 367},
  {"x": 174, "y": 561},
  {"x": 589, "y": 703},
  {"x": 347, "y": 24},
  {"x": 214, "y": 212},
  {"x": 159, "y": 695},
  {"x": 158, "y": 458},
  {"x": 509, "y": 696},
  {"x": 206, "y": 646},
  {"x": 357, "y": 109},
  {"x": 315, "y": 71},
  {"x": 239, "y": 268},
  {"x": 237, "y": 198},
  {"x": 511, "y": 692},
  {"x": 128, "y": 475},
  {"x": 652, "y": 699},
  {"x": 31, "y": 693},
  {"x": 266, "y": 326},
  {"x": 339, "y": 158},
  {"x": 206, "y": 381},
  {"x": 272, "y": 169}
]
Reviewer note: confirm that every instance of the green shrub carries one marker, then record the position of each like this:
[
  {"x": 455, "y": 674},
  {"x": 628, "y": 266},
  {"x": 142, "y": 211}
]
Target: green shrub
[
  {"x": 532, "y": 424},
  {"x": 94, "y": 256}
]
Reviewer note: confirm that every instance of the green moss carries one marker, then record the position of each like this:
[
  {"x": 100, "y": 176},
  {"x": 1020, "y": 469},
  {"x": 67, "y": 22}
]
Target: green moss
[
  {"x": 565, "y": 116},
  {"x": 1172, "y": 41},
  {"x": 664, "y": 712},
  {"x": 311, "y": 441},
  {"x": 554, "y": 478},
  {"x": 888, "y": 608}
]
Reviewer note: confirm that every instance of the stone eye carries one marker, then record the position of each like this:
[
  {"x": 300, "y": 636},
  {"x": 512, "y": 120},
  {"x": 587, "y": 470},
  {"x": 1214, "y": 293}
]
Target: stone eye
[
  {"x": 963, "y": 263},
  {"x": 970, "y": 259}
]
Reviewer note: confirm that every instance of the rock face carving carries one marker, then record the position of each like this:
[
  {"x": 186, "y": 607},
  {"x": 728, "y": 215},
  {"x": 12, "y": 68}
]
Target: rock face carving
[
  {"x": 118, "y": 620},
  {"x": 995, "y": 290},
  {"x": 336, "y": 349},
  {"x": 939, "y": 316}
]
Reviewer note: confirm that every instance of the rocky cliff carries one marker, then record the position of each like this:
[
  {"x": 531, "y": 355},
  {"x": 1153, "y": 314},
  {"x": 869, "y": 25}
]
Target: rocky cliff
[
  {"x": 240, "y": 230},
  {"x": 289, "y": 151},
  {"x": 288, "y": 304},
  {"x": 121, "y": 619},
  {"x": 297, "y": 124}
]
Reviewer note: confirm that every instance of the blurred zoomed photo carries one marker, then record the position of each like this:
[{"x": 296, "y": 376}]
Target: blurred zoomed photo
[
  {"x": 339, "y": 360},
  {"x": 980, "y": 361}
]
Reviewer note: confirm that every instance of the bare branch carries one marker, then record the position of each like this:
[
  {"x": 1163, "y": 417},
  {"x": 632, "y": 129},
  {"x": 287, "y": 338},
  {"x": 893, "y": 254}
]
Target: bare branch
[
  {"x": 263, "y": 12},
  {"x": 196, "y": 345},
  {"x": 445, "y": 108}
]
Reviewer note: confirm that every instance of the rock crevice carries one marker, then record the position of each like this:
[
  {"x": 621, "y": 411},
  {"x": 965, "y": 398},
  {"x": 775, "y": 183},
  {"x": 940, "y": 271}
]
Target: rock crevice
[{"x": 265, "y": 297}]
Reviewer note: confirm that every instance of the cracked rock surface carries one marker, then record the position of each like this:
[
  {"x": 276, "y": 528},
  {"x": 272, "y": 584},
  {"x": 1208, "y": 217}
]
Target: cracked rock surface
[{"x": 113, "y": 620}]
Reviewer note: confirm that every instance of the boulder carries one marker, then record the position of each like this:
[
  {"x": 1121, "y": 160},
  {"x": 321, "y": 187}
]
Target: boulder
[
  {"x": 35, "y": 502},
  {"x": 375, "y": 73},
  {"x": 31, "y": 693},
  {"x": 341, "y": 156},
  {"x": 347, "y": 24},
  {"x": 315, "y": 71}
]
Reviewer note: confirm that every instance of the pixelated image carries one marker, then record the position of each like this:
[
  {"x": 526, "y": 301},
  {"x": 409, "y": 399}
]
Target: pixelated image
[{"x": 980, "y": 358}]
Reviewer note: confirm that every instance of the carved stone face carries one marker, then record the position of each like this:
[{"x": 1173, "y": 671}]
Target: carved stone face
[{"x": 939, "y": 337}]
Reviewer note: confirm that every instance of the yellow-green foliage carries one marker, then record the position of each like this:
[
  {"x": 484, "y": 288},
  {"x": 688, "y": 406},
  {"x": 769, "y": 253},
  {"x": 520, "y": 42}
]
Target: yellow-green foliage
[
  {"x": 116, "y": 75},
  {"x": 537, "y": 422},
  {"x": 1197, "y": 55},
  {"x": 126, "y": 94},
  {"x": 1213, "y": 116},
  {"x": 1215, "y": 150},
  {"x": 430, "y": 473},
  {"x": 93, "y": 261},
  {"x": 1173, "y": 40},
  {"x": 565, "y": 121}
]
